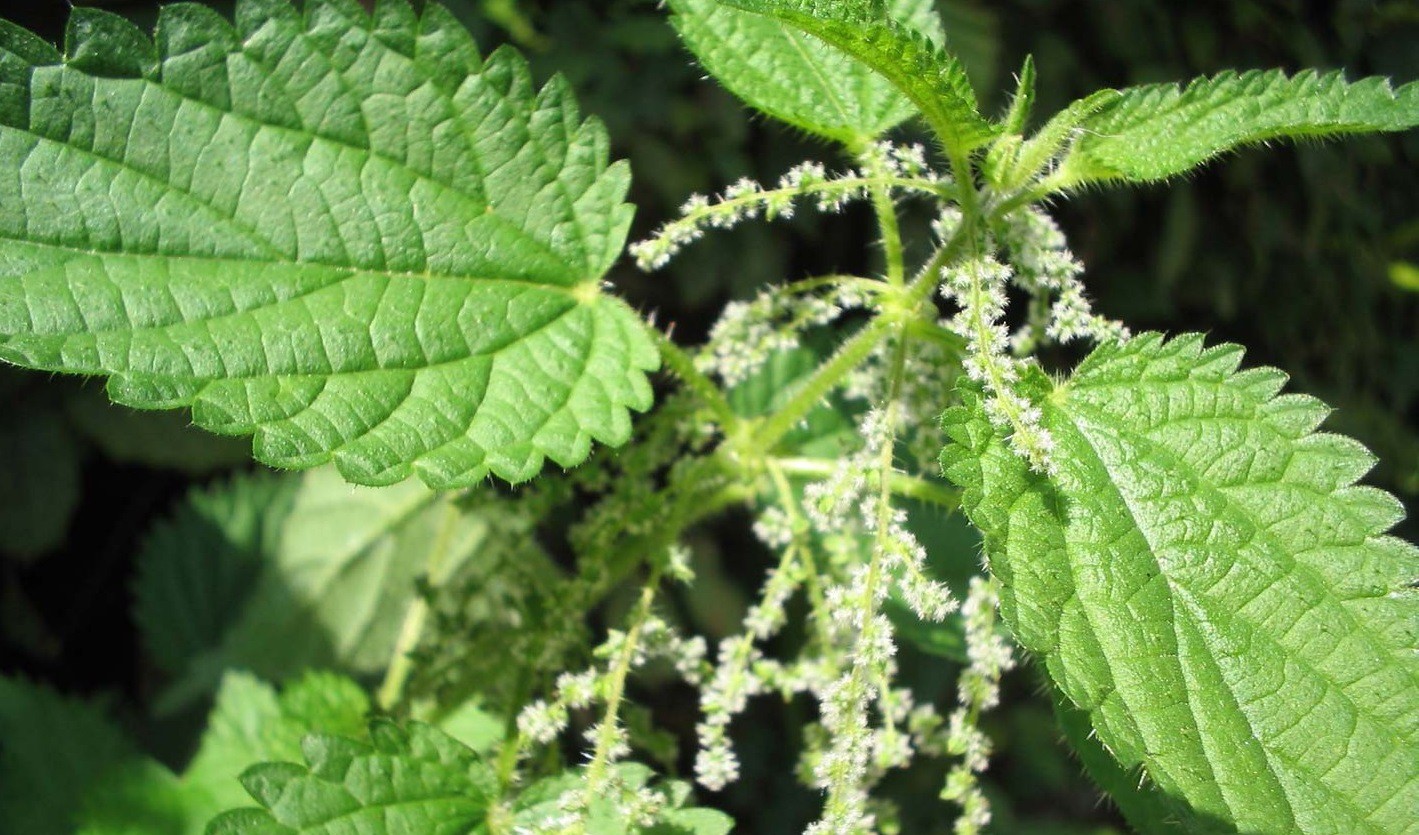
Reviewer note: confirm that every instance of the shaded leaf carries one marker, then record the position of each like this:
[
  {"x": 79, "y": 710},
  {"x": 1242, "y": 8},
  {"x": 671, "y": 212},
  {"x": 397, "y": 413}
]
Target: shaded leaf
[
  {"x": 281, "y": 575},
  {"x": 52, "y": 750}
]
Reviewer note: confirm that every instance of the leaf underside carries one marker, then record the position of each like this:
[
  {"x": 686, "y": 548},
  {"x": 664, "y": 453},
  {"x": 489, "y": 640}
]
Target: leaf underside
[
  {"x": 348, "y": 235},
  {"x": 1205, "y": 580},
  {"x": 1157, "y": 131},
  {"x": 794, "y": 77},
  {"x": 931, "y": 79}
]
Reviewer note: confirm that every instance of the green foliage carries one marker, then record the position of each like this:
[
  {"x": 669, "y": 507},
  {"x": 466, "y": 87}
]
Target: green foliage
[
  {"x": 796, "y": 78},
  {"x": 1203, "y": 578},
  {"x": 54, "y": 749},
  {"x": 345, "y": 232},
  {"x": 414, "y": 780},
  {"x": 1160, "y": 130},
  {"x": 418, "y": 779},
  {"x": 249, "y": 724},
  {"x": 39, "y": 484},
  {"x": 400, "y": 273},
  {"x": 929, "y": 77},
  {"x": 280, "y": 575}
]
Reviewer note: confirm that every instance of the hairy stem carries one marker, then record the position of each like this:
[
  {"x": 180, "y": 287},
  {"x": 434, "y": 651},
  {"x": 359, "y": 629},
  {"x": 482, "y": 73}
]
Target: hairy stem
[
  {"x": 596, "y": 773},
  {"x": 839, "y": 806},
  {"x": 704, "y": 388},
  {"x": 827, "y": 377},
  {"x": 903, "y": 484}
]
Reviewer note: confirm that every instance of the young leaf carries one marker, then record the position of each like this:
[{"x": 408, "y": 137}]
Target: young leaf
[
  {"x": 1157, "y": 131},
  {"x": 306, "y": 572},
  {"x": 344, "y": 233},
  {"x": 1204, "y": 579},
  {"x": 929, "y": 77},
  {"x": 794, "y": 77},
  {"x": 250, "y": 724},
  {"x": 408, "y": 780}
]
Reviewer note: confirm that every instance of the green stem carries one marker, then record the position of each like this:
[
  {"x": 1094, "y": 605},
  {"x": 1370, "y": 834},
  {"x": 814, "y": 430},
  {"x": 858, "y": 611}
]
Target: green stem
[
  {"x": 596, "y": 773},
  {"x": 815, "y": 388},
  {"x": 401, "y": 663},
  {"x": 934, "y": 332},
  {"x": 808, "y": 285},
  {"x": 683, "y": 367},
  {"x": 812, "y": 581},
  {"x": 891, "y": 235},
  {"x": 857, "y": 678},
  {"x": 903, "y": 484}
]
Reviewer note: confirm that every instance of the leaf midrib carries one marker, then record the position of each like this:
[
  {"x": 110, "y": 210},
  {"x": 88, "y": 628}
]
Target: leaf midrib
[
  {"x": 492, "y": 352},
  {"x": 1078, "y": 425},
  {"x": 564, "y": 289}
]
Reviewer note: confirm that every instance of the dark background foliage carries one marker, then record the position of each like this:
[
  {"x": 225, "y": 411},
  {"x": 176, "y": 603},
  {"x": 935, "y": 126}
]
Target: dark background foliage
[{"x": 1290, "y": 251}]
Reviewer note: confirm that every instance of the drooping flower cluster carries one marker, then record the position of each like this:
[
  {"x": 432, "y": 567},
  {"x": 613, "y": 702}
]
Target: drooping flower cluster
[
  {"x": 542, "y": 721},
  {"x": 977, "y": 286},
  {"x": 1044, "y": 267},
  {"x": 748, "y": 333},
  {"x": 977, "y": 691},
  {"x": 885, "y": 165}
]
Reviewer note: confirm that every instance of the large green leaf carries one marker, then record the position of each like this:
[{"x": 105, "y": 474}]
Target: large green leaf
[
  {"x": 930, "y": 78},
  {"x": 347, "y": 234},
  {"x": 281, "y": 576},
  {"x": 1157, "y": 131},
  {"x": 794, "y": 77},
  {"x": 1204, "y": 579}
]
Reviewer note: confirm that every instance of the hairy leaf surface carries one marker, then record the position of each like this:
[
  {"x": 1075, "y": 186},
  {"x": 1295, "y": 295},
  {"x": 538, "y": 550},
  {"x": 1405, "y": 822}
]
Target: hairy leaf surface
[
  {"x": 928, "y": 76},
  {"x": 1159, "y": 130},
  {"x": 280, "y": 575},
  {"x": 1205, "y": 580},
  {"x": 795, "y": 77},
  {"x": 346, "y": 234}
]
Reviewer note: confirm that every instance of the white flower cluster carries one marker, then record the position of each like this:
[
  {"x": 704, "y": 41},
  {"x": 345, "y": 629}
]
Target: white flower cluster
[
  {"x": 978, "y": 691},
  {"x": 747, "y": 334},
  {"x": 900, "y": 167},
  {"x": 856, "y": 752},
  {"x": 1045, "y": 267},
  {"x": 541, "y": 721},
  {"x": 926, "y": 375},
  {"x": 978, "y": 287},
  {"x": 636, "y": 806},
  {"x": 742, "y": 671}
]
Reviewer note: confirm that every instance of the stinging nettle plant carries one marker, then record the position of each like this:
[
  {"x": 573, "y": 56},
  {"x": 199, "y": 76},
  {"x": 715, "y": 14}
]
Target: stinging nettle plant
[{"x": 381, "y": 254}]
